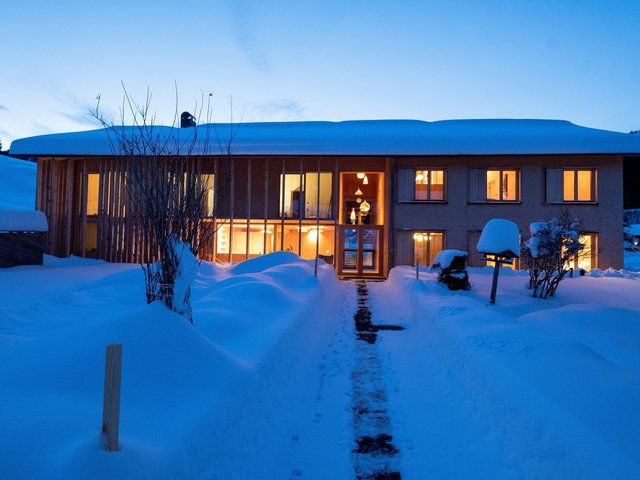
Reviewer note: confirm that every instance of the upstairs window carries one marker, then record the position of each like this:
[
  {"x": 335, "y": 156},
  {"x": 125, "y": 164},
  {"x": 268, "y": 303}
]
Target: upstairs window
[
  {"x": 300, "y": 197},
  {"x": 429, "y": 185},
  {"x": 424, "y": 185},
  {"x": 494, "y": 185},
  {"x": 570, "y": 185}
]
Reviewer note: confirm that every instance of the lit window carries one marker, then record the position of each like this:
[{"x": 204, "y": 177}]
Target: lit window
[
  {"x": 578, "y": 185},
  {"x": 426, "y": 246},
  {"x": 429, "y": 185},
  {"x": 588, "y": 257},
  {"x": 299, "y": 195},
  {"x": 208, "y": 195},
  {"x": 502, "y": 185},
  {"x": 93, "y": 188}
]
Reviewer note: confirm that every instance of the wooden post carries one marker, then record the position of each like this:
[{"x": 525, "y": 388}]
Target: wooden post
[
  {"x": 494, "y": 284},
  {"x": 111, "y": 406},
  {"x": 417, "y": 270}
]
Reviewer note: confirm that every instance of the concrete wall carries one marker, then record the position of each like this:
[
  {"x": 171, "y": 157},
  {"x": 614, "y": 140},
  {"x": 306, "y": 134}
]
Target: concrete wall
[{"x": 457, "y": 216}]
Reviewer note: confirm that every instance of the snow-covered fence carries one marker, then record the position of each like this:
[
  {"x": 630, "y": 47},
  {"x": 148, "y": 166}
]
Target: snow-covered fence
[{"x": 111, "y": 406}]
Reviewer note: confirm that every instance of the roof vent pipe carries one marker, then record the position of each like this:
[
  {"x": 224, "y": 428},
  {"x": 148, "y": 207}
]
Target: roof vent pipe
[{"x": 187, "y": 120}]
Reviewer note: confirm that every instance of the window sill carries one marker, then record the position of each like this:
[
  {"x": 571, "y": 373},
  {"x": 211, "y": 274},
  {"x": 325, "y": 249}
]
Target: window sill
[
  {"x": 419, "y": 202},
  {"x": 589, "y": 202},
  {"x": 495, "y": 202}
]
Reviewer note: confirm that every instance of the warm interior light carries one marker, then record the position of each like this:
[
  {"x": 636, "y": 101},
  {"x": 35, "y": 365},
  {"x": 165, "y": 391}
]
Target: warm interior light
[
  {"x": 358, "y": 200},
  {"x": 352, "y": 217},
  {"x": 360, "y": 175},
  {"x": 358, "y": 192},
  {"x": 365, "y": 180},
  {"x": 365, "y": 207},
  {"x": 419, "y": 176}
]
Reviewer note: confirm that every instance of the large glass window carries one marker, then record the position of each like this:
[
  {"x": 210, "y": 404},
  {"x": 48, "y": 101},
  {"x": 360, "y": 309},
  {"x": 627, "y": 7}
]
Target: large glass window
[
  {"x": 426, "y": 246},
  {"x": 429, "y": 185},
  {"x": 502, "y": 185},
  {"x": 299, "y": 195}
]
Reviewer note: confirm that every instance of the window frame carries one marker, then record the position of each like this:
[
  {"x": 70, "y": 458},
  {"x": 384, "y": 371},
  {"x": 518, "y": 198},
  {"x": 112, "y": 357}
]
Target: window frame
[
  {"x": 302, "y": 210},
  {"x": 477, "y": 185},
  {"x": 501, "y": 171},
  {"x": 427, "y": 232},
  {"x": 593, "y": 254},
  {"x": 592, "y": 187},
  {"x": 430, "y": 171}
]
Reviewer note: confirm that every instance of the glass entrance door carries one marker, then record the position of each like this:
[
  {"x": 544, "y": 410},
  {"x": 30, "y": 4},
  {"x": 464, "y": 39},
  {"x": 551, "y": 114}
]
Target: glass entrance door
[{"x": 360, "y": 254}]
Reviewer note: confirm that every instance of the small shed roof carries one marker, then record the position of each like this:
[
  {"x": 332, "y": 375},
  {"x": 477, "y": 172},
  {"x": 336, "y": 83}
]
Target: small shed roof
[{"x": 361, "y": 137}]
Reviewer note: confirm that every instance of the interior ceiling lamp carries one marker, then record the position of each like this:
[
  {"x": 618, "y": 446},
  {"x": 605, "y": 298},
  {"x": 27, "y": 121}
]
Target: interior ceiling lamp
[
  {"x": 358, "y": 191},
  {"x": 365, "y": 207},
  {"x": 419, "y": 176},
  {"x": 352, "y": 217},
  {"x": 365, "y": 180},
  {"x": 360, "y": 175}
]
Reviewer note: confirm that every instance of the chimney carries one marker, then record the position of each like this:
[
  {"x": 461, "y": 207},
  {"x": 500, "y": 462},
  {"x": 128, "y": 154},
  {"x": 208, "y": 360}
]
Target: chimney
[{"x": 187, "y": 120}]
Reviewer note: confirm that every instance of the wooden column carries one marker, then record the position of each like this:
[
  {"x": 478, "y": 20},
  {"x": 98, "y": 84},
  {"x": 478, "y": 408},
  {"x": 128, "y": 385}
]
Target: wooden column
[{"x": 111, "y": 405}]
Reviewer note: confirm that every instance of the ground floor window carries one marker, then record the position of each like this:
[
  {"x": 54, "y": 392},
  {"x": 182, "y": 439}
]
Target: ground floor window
[
  {"x": 257, "y": 238},
  {"x": 587, "y": 259},
  {"x": 426, "y": 246}
]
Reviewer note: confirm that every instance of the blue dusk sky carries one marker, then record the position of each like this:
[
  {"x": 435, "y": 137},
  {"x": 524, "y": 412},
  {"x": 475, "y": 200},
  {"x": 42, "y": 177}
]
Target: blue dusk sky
[{"x": 296, "y": 60}]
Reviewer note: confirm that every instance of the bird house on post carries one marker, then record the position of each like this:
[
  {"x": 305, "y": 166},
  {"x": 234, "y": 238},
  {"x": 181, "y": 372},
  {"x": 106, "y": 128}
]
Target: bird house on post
[{"x": 499, "y": 243}]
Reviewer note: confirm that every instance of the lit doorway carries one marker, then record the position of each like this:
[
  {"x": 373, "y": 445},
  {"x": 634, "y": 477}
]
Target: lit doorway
[{"x": 361, "y": 224}]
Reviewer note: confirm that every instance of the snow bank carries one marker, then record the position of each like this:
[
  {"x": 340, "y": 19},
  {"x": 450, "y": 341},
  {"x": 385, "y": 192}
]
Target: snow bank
[
  {"x": 194, "y": 398},
  {"x": 520, "y": 389},
  {"x": 362, "y": 137},
  {"x": 500, "y": 237},
  {"x": 17, "y": 183}
]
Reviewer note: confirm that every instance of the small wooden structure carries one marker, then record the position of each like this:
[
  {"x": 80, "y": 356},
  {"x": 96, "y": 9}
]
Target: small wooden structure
[
  {"x": 22, "y": 234},
  {"x": 499, "y": 243}
]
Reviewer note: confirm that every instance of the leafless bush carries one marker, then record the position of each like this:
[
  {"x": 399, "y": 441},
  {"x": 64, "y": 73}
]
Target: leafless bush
[{"x": 168, "y": 193}]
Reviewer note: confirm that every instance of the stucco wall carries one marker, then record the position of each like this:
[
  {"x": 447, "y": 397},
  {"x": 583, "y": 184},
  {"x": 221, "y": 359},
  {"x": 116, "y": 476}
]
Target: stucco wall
[{"x": 458, "y": 216}]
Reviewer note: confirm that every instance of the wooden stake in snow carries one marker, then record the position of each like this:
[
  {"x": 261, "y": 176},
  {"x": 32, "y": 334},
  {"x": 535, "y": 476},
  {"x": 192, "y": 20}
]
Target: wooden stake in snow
[
  {"x": 111, "y": 407},
  {"x": 417, "y": 269}
]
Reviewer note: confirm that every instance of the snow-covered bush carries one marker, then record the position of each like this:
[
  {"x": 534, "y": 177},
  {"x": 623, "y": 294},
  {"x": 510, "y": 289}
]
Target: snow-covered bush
[
  {"x": 548, "y": 251},
  {"x": 451, "y": 269}
]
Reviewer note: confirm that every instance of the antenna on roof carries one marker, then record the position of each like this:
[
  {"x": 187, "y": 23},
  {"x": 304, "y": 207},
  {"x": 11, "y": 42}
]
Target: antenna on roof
[{"x": 187, "y": 120}]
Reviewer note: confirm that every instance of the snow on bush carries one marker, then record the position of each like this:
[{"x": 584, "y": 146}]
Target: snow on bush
[{"x": 548, "y": 251}]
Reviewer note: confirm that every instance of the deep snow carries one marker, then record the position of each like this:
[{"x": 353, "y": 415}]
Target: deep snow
[{"x": 260, "y": 387}]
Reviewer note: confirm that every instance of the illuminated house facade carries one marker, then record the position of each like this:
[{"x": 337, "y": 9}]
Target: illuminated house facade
[{"x": 362, "y": 195}]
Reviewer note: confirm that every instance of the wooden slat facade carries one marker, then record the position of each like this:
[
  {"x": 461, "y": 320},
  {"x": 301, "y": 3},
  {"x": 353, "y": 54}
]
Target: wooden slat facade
[{"x": 252, "y": 200}]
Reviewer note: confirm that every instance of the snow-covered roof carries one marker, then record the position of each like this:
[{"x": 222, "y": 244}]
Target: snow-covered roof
[
  {"x": 361, "y": 137},
  {"x": 18, "y": 220}
]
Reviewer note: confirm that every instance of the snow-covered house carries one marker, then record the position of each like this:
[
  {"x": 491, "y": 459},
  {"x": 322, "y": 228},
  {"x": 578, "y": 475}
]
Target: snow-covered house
[
  {"x": 368, "y": 194},
  {"x": 21, "y": 226}
]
